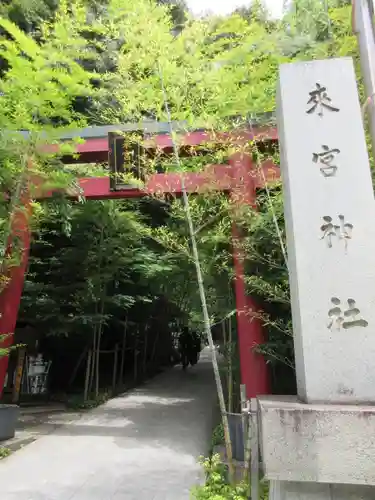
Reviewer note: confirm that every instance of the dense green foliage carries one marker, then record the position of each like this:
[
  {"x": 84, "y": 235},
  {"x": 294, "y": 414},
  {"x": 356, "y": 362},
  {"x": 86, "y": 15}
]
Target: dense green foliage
[
  {"x": 70, "y": 63},
  {"x": 37, "y": 92},
  {"x": 217, "y": 487},
  {"x": 4, "y": 452}
]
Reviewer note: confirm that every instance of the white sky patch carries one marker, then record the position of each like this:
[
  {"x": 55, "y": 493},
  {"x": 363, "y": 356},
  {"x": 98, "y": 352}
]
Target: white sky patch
[{"x": 224, "y": 7}]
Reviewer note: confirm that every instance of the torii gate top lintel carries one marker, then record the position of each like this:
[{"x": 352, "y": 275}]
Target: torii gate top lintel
[{"x": 95, "y": 149}]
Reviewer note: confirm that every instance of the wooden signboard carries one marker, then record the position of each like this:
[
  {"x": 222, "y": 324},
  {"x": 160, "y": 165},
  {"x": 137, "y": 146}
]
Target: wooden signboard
[{"x": 124, "y": 159}]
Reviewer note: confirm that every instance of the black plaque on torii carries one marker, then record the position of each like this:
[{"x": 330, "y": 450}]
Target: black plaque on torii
[{"x": 123, "y": 161}]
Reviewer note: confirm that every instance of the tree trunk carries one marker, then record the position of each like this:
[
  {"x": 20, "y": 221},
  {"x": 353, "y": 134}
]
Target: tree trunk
[
  {"x": 92, "y": 367},
  {"x": 123, "y": 350},
  {"x": 144, "y": 367},
  {"x": 154, "y": 347},
  {"x": 135, "y": 367},
  {"x": 98, "y": 329},
  {"x": 87, "y": 377},
  {"x": 115, "y": 370},
  {"x": 78, "y": 364},
  {"x": 97, "y": 361},
  {"x": 99, "y": 338}
]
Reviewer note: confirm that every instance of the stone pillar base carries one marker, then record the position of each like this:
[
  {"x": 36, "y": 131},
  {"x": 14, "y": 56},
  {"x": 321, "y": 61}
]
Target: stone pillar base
[
  {"x": 317, "y": 451},
  {"x": 284, "y": 490}
]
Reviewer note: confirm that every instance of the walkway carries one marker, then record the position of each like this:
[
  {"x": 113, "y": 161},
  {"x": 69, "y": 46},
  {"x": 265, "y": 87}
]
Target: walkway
[{"x": 143, "y": 445}]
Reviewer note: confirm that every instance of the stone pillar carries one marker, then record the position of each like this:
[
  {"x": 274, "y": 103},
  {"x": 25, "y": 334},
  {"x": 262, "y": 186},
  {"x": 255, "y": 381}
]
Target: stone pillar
[{"x": 321, "y": 445}]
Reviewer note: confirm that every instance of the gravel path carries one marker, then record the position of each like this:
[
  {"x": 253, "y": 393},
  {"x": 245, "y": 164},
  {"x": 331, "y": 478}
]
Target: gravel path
[{"x": 142, "y": 445}]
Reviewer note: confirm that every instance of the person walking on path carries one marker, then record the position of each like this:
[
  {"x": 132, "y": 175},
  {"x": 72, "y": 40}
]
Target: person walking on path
[{"x": 190, "y": 347}]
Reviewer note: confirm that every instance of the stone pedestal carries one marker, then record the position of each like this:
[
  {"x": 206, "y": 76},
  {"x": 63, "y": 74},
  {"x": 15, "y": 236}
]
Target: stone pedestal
[
  {"x": 8, "y": 421},
  {"x": 314, "y": 491},
  {"x": 320, "y": 450}
]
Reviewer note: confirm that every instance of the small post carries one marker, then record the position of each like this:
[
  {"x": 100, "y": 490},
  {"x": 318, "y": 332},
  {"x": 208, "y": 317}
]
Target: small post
[
  {"x": 247, "y": 457},
  {"x": 230, "y": 367},
  {"x": 254, "y": 474},
  {"x": 243, "y": 414}
]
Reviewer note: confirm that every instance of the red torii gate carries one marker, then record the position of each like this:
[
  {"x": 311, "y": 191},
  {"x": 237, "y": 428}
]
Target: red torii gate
[{"x": 239, "y": 178}]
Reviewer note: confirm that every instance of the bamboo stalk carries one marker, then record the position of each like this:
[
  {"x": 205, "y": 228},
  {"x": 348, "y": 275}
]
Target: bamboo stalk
[
  {"x": 207, "y": 325},
  {"x": 202, "y": 292}
]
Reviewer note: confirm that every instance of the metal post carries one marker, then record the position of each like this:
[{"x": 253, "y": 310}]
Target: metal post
[
  {"x": 254, "y": 466},
  {"x": 364, "y": 29}
]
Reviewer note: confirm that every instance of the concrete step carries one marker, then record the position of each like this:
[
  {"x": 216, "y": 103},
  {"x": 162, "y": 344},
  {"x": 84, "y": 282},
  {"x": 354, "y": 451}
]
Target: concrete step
[{"x": 46, "y": 408}]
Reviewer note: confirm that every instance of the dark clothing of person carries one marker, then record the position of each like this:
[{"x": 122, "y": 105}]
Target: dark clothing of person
[{"x": 190, "y": 347}]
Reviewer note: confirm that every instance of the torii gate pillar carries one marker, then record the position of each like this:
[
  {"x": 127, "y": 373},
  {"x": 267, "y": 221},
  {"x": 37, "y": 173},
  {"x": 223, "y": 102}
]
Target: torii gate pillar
[
  {"x": 10, "y": 297},
  {"x": 254, "y": 372}
]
